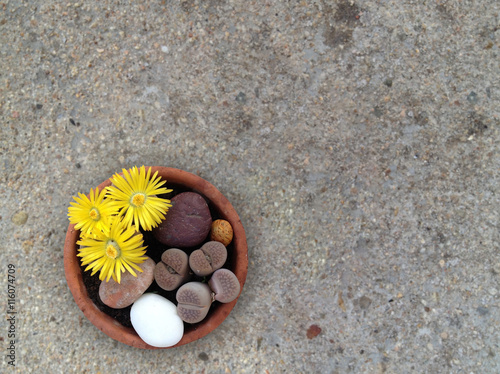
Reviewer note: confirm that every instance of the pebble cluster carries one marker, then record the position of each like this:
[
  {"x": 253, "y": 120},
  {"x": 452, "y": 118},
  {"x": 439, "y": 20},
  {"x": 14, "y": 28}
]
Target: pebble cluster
[{"x": 197, "y": 275}]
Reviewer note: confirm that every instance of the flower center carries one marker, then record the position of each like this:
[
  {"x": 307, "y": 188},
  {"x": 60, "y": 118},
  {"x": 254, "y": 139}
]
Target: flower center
[
  {"x": 94, "y": 214},
  {"x": 112, "y": 249},
  {"x": 138, "y": 199}
]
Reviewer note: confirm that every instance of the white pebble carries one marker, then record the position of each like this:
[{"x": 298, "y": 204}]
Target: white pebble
[{"x": 156, "y": 321}]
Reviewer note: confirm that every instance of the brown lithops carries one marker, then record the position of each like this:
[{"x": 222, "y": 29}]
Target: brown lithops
[
  {"x": 194, "y": 300},
  {"x": 225, "y": 285},
  {"x": 221, "y": 231},
  {"x": 210, "y": 257},
  {"x": 173, "y": 269}
]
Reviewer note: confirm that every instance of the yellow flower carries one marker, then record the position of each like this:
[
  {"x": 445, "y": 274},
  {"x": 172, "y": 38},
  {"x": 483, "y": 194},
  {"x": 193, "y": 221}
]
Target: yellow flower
[
  {"x": 91, "y": 215},
  {"x": 134, "y": 194},
  {"x": 113, "y": 253}
]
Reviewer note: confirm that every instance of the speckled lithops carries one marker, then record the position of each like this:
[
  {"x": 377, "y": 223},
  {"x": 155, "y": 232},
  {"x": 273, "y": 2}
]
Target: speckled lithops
[
  {"x": 225, "y": 285},
  {"x": 210, "y": 257},
  {"x": 194, "y": 300},
  {"x": 221, "y": 231},
  {"x": 173, "y": 269}
]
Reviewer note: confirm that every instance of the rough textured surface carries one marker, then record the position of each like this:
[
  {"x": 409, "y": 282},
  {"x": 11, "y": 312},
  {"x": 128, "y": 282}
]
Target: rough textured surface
[
  {"x": 130, "y": 288},
  {"x": 221, "y": 231},
  {"x": 359, "y": 144},
  {"x": 172, "y": 270},
  {"x": 210, "y": 257},
  {"x": 225, "y": 285},
  {"x": 187, "y": 223},
  {"x": 193, "y": 301}
]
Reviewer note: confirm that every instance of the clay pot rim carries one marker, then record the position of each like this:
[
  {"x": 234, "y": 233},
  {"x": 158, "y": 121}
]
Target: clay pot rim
[{"x": 127, "y": 335}]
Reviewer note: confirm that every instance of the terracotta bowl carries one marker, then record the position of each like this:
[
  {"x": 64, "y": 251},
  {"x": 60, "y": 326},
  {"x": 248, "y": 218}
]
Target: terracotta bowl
[{"x": 238, "y": 264}]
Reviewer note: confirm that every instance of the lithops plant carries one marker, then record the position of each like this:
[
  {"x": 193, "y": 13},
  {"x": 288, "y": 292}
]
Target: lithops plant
[
  {"x": 210, "y": 257},
  {"x": 225, "y": 285},
  {"x": 221, "y": 231},
  {"x": 194, "y": 300},
  {"x": 173, "y": 269}
]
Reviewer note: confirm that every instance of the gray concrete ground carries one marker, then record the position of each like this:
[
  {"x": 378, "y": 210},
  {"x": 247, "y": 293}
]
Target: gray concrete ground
[{"x": 358, "y": 140}]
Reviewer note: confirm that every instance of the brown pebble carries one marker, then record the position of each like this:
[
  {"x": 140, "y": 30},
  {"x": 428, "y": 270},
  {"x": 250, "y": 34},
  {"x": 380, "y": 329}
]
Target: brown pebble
[
  {"x": 313, "y": 331},
  {"x": 221, "y": 231},
  {"x": 120, "y": 295},
  {"x": 187, "y": 222}
]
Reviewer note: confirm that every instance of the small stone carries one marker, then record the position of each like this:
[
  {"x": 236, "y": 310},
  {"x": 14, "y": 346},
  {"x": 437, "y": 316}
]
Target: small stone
[
  {"x": 194, "y": 300},
  {"x": 241, "y": 98},
  {"x": 378, "y": 112},
  {"x": 172, "y": 270},
  {"x": 496, "y": 268},
  {"x": 221, "y": 231},
  {"x": 203, "y": 356},
  {"x": 156, "y": 321},
  {"x": 364, "y": 302},
  {"x": 210, "y": 257},
  {"x": 341, "y": 302},
  {"x": 121, "y": 295},
  {"x": 482, "y": 310},
  {"x": 472, "y": 97},
  {"x": 19, "y": 218},
  {"x": 187, "y": 222},
  {"x": 225, "y": 285},
  {"x": 313, "y": 331}
]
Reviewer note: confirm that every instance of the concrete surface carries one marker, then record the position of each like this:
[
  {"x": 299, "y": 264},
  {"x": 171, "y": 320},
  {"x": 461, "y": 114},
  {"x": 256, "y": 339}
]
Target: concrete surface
[{"x": 358, "y": 140}]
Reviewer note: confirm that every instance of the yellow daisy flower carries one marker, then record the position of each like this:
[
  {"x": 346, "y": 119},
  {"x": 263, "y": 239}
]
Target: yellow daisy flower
[
  {"x": 134, "y": 195},
  {"x": 91, "y": 215},
  {"x": 113, "y": 253}
]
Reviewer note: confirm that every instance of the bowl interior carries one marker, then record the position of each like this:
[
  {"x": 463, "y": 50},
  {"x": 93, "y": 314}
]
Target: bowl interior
[{"x": 237, "y": 262}]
